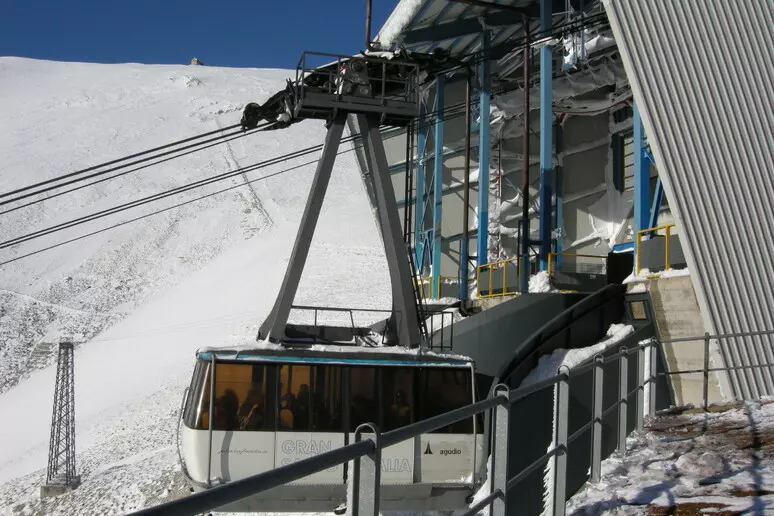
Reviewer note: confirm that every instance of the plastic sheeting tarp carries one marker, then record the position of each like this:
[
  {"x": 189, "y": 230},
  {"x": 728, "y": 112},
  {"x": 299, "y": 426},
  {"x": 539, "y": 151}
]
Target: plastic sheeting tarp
[{"x": 703, "y": 78}]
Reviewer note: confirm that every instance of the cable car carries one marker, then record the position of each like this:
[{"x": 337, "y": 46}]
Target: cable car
[{"x": 270, "y": 407}]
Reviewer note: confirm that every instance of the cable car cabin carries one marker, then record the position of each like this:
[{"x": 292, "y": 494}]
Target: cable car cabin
[{"x": 272, "y": 407}]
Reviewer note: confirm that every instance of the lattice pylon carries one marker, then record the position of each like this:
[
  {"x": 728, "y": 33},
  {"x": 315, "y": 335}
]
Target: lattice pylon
[{"x": 61, "y": 452}]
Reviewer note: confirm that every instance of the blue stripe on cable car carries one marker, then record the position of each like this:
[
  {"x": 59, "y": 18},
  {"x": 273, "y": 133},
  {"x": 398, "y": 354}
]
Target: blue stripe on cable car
[{"x": 319, "y": 360}]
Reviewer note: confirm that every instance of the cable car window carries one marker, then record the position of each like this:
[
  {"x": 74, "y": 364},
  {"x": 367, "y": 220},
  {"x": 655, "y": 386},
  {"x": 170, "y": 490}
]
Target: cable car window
[
  {"x": 326, "y": 399},
  {"x": 295, "y": 405},
  {"x": 398, "y": 389},
  {"x": 240, "y": 398},
  {"x": 442, "y": 390},
  {"x": 193, "y": 413},
  {"x": 363, "y": 401}
]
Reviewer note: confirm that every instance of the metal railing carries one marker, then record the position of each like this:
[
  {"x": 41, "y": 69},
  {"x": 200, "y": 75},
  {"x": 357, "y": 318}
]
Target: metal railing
[
  {"x": 437, "y": 331},
  {"x": 650, "y": 232},
  {"x": 350, "y": 312},
  {"x": 327, "y": 73},
  {"x": 363, "y": 486},
  {"x": 706, "y": 369},
  {"x": 492, "y": 288}
]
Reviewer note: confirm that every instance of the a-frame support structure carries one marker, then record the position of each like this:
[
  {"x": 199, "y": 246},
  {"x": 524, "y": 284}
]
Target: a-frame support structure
[{"x": 404, "y": 323}]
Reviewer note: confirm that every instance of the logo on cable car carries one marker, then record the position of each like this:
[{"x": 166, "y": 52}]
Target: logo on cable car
[
  {"x": 395, "y": 465},
  {"x": 302, "y": 449}
]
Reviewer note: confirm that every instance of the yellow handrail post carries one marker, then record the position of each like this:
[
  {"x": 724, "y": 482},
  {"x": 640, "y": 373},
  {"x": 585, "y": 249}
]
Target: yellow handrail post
[
  {"x": 637, "y": 255},
  {"x": 666, "y": 249},
  {"x": 489, "y": 292},
  {"x": 505, "y": 275}
]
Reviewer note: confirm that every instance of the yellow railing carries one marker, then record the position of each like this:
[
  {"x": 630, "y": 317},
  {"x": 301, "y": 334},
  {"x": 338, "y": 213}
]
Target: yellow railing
[
  {"x": 668, "y": 229},
  {"x": 552, "y": 259},
  {"x": 503, "y": 285}
]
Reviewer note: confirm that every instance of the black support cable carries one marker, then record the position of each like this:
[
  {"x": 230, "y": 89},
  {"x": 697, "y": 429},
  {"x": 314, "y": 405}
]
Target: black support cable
[
  {"x": 155, "y": 197},
  {"x": 162, "y": 210},
  {"x": 118, "y": 160},
  {"x": 125, "y": 172},
  {"x": 218, "y": 139}
]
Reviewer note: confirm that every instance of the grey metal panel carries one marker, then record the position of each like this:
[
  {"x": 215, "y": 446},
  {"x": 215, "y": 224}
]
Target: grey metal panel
[{"x": 703, "y": 76}]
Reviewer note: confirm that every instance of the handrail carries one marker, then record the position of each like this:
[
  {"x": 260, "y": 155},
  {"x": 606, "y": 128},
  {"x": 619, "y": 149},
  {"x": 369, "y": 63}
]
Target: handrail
[
  {"x": 227, "y": 493},
  {"x": 640, "y": 234},
  {"x": 499, "y": 264}
]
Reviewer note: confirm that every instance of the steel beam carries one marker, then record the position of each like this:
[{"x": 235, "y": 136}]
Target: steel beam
[
  {"x": 546, "y": 134},
  {"x": 485, "y": 85},
  {"x": 465, "y": 242},
  {"x": 273, "y": 328},
  {"x": 658, "y": 197},
  {"x": 524, "y": 263},
  {"x": 641, "y": 176},
  {"x": 559, "y": 194},
  {"x": 435, "y": 269},
  {"x": 403, "y": 305},
  {"x": 419, "y": 212}
]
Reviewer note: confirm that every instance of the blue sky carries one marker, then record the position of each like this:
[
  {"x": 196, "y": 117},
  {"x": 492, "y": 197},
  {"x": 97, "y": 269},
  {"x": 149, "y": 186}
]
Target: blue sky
[{"x": 257, "y": 33}]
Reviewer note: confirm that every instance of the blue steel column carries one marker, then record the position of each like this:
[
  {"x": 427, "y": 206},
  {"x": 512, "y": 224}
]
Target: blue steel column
[
  {"x": 437, "y": 187},
  {"x": 641, "y": 176},
  {"x": 485, "y": 84},
  {"x": 546, "y": 133},
  {"x": 419, "y": 212}
]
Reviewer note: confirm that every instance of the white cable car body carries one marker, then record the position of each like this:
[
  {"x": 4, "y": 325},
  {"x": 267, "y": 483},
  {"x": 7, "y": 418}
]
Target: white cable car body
[{"x": 273, "y": 407}]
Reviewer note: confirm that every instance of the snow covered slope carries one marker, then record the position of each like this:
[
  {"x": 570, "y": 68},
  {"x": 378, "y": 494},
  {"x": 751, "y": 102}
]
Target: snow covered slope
[{"x": 142, "y": 298}]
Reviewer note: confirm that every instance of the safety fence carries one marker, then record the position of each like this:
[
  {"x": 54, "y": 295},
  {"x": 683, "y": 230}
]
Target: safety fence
[
  {"x": 363, "y": 485},
  {"x": 726, "y": 353},
  {"x": 648, "y": 234},
  {"x": 503, "y": 277},
  {"x": 369, "y": 326}
]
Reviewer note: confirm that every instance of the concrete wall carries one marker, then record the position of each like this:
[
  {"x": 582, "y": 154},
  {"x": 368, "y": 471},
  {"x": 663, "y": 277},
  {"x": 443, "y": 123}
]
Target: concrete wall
[
  {"x": 492, "y": 336},
  {"x": 677, "y": 316}
]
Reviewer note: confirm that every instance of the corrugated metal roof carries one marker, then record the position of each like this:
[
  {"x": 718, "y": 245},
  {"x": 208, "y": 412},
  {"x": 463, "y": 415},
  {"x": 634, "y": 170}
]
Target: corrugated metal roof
[
  {"x": 429, "y": 13},
  {"x": 703, "y": 77}
]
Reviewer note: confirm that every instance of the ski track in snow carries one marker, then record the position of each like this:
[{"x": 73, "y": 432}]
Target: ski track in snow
[{"x": 139, "y": 300}]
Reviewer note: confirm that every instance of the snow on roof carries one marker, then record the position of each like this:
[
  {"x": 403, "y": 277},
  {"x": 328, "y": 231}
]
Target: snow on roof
[
  {"x": 400, "y": 17},
  {"x": 257, "y": 347}
]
